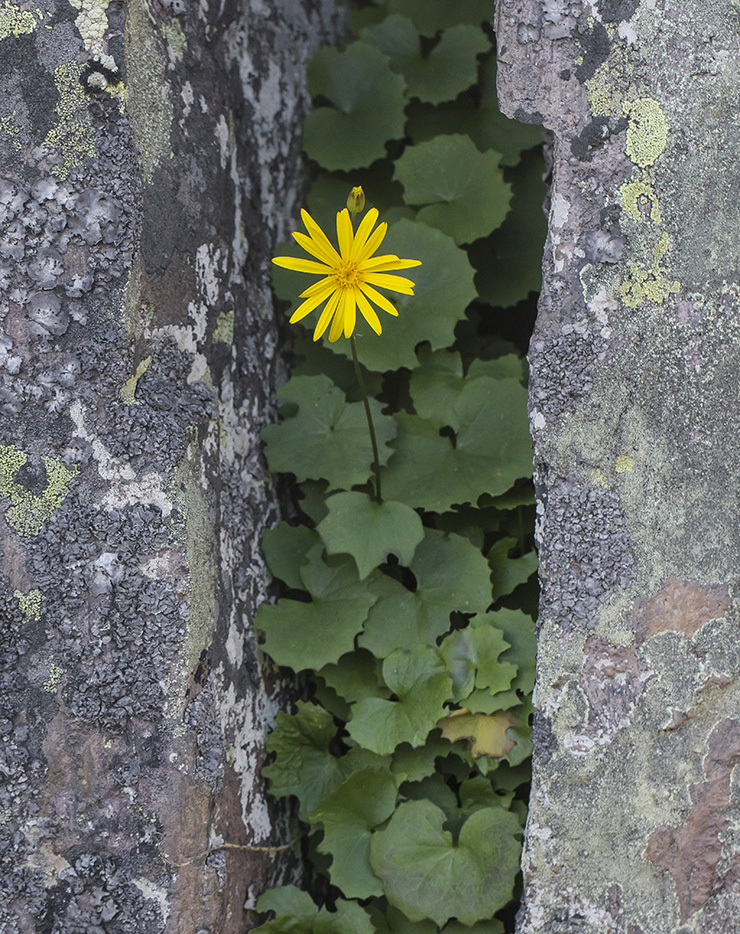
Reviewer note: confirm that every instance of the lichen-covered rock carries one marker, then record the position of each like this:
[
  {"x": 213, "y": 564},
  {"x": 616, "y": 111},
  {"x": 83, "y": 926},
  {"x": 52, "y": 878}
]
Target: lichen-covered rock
[
  {"x": 149, "y": 160},
  {"x": 633, "y": 402}
]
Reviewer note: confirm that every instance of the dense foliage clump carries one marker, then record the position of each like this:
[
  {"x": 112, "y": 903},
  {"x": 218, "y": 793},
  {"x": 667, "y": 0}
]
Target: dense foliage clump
[{"x": 412, "y": 618}]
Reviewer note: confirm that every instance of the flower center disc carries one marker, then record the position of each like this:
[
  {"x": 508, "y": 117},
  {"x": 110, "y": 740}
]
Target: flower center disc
[{"x": 347, "y": 276}]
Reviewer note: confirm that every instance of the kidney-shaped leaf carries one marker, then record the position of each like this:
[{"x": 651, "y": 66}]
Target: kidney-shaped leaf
[
  {"x": 451, "y": 576},
  {"x": 327, "y": 438},
  {"x": 295, "y": 913},
  {"x": 370, "y": 531},
  {"x": 368, "y": 99},
  {"x": 463, "y": 188},
  {"x": 349, "y": 816},
  {"x": 493, "y": 449},
  {"x": 427, "y": 875},
  {"x": 311, "y": 635},
  {"x": 418, "y": 678}
]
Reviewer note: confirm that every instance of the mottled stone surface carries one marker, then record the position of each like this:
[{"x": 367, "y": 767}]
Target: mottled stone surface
[
  {"x": 149, "y": 160},
  {"x": 635, "y": 807}
]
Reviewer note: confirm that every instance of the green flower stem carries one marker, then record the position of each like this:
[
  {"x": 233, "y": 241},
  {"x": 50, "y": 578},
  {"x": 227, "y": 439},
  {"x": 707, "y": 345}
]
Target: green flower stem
[{"x": 368, "y": 415}]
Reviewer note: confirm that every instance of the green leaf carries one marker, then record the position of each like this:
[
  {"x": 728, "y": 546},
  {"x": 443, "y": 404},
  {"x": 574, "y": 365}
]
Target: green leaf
[
  {"x": 508, "y": 572},
  {"x": 328, "y": 437},
  {"x": 509, "y": 263},
  {"x": 418, "y": 678},
  {"x": 356, "y": 675},
  {"x": 285, "y": 549},
  {"x": 444, "y": 287},
  {"x": 429, "y": 16},
  {"x": 451, "y": 576},
  {"x": 414, "y": 763},
  {"x": 349, "y": 816},
  {"x": 437, "y": 385},
  {"x": 303, "y": 765},
  {"x": 311, "y": 635},
  {"x": 295, "y": 913},
  {"x": 368, "y": 111},
  {"x": 370, "y": 531},
  {"x": 450, "y": 67},
  {"x": 518, "y": 630},
  {"x": 464, "y": 189},
  {"x": 294, "y": 910},
  {"x": 427, "y": 876},
  {"x": 472, "y": 658},
  {"x": 483, "y": 927},
  {"x": 492, "y": 450}
]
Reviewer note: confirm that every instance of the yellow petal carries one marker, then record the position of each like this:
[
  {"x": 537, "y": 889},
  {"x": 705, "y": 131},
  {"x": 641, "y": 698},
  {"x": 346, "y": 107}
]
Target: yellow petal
[
  {"x": 387, "y": 263},
  {"x": 317, "y": 249},
  {"x": 307, "y": 307},
  {"x": 344, "y": 234},
  {"x": 316, "y": 233},
  {"x": 326, "y": 285},
  {"x": 301, "y": 265},
  {"x": 395, "y": 283},
  {"x": 350, "y": 311},
  {"x": 337, "y": 325},
  {"x": 373, "y": 242},
  {"x": 326, "y": 316},
  {"x": 379, "y": 300},
  {"x": 368, "y": 313},
  {"x": 363, "y": 232}
]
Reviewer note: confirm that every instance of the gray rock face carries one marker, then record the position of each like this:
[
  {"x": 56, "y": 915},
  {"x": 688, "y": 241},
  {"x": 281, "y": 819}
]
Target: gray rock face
[
  {"x": 149, "y": 161},
  {"x": 634, "y": 362}
]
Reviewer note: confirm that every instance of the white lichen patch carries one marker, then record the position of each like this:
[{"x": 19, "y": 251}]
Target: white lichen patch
[
  {"x": 125, "y": 487},
  {"x": 92, "y": 24},
  {"x": 156, "y": 894}
]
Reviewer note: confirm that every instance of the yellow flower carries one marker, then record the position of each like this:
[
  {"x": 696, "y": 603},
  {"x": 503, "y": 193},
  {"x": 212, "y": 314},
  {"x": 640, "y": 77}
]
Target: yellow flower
[{"x": 349, "y": 276}]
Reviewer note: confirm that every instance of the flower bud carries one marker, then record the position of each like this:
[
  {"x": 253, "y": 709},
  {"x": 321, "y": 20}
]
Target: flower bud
[{"x": 356, "y": 200}]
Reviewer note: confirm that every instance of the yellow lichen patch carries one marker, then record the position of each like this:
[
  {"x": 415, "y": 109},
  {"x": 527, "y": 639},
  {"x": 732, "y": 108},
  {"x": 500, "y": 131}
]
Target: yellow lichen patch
[
  {"x": 128, "y": 390},
  {"x": 651, "y": 284},
  {"x": 30, "y": 604},
  {"x": 640, "y": 201},
  {"x": 92, "y": 24},
  {"x": 56, "y": 673},
  {"x": 9, "y": 126},
  {"x": 29, "y": 511},
  {"x": 599, "y": 479},
  {"x": 176, "y": 40},
  {"x": 73, "y": 133},
  {"x": 624, "y": 464},
  {"x": 603, "y": 91},
  {"x": 647, "y": 133},
  {"x": 17, "y": 22},
  {"x": 485, "y": 732},
  {"x": 223, "y": 333}
]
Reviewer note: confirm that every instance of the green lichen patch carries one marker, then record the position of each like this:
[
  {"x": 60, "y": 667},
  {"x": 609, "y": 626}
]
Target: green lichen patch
[
  {"x": 30, "y": 604},
  {"x": 651, "y": 284},
  {"x": 29, "y": 511}
]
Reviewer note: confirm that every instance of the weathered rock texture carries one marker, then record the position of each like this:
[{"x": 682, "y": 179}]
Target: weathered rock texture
[
  {"x": 635, "y": 812},
  {"x": 149, "y": 160}
]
